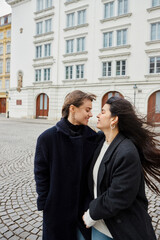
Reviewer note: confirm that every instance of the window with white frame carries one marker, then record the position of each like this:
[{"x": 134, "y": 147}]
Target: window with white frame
[
  {"x": 47, "y": 50},
  {"x": 1, "y": 49},
  {"x": 1, "y": 35},
  {"x": 48, "y": 25},
  {"x": 47, "y": 73},
  {"x": 1, "y": 67},
  {"x": 8, "y": 65},
  {"x": 122, "y": 37},
  {"x": 106, "y": 69},
  {"x": 38, "y": 75},
  {"x": 155, "y": 31},
  {"x": 121, "y": 68},
  {"x": 2, "y": 20},
  {"x": 80, "y": 44},
  {"x": 48, "y": 3},
  {"x": 122, "y": 7},
  {"x": 9, "y": 19},
  {"x": 0, "y": 84},
  {"x": 155, "y": 3},
  {"x": 7, "y": 83},
  {"x": 154, "y": 65},
  {"x": 109, "y": 10},
  {"x": 8, "y": 48},
  {"x": 39, "y": 5},
  {"x": 157, "y": 109},
  {"x": 69, "y": 46},
  {"x": 8, "y": 33},
  {"x": 38, "y": 51},
  {"x": 107, "y": 39},
  {"x": 69, "y": 72},
  {"x": 81, "y": 15},
  {"x": 39, "y": 29},
  {"x": 70, "y": 19},
  {"x": 80, "y": 71}
]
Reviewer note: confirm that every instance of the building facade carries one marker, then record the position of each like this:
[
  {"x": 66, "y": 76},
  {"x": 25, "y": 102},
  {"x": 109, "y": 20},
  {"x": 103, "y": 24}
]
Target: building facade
[
  {"x": 107, "y": 47},
  {"x": 5, "y": 51}
]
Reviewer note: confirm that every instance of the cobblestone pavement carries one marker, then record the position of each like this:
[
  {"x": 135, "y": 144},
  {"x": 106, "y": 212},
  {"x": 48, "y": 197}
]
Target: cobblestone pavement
[{"x": 19, "y": 218}]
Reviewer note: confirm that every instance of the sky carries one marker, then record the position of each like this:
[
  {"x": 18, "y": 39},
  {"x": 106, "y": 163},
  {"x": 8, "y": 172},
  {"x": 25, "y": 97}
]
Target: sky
[{"x": 4, "y": 8}]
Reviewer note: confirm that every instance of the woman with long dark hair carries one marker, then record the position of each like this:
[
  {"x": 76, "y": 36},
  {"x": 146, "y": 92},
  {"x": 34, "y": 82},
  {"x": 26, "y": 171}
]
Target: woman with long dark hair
[{"x": 126, "y": 159}]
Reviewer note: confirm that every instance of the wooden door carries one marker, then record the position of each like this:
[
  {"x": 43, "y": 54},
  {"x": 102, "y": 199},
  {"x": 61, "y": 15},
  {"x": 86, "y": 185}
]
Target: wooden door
[
  {"x": 153, "y": 114},
  {"x": 2, "y": 105},
  {"x": 110, "y": 94},
  {"x": 42, "y": 105}
]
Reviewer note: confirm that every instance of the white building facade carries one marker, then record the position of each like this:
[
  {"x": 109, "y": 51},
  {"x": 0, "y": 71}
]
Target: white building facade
[{"x": 107, "y": 47}]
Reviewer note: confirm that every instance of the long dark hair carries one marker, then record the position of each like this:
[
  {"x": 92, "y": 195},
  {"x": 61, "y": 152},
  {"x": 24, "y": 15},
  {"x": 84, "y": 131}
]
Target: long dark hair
[{"x": 142, "y": 135}]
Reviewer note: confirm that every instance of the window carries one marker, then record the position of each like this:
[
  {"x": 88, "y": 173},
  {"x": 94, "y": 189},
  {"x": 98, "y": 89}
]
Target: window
[
  {"x": 69, "y": 46},
  {"x": 1, "y": 35},
  {"x": 1, "y": 49},
  {"x": 70, "y": 19},
  {"x": 39, "y": 5},
  {"x": 8, "y": 33},
  {"x": 122, "y": 7},
  {"x": 155, "y": 3},
  {"x": 155, "y": 65},
  {"x": 8, "y": 66},
  {"x": 38, "y": 51},
  {"x": 38, "y": 75},
  {"x": 47, "y": 50},
  {"x": 80, "y": 71},
  {"x": 81, "y": 17},
  {"x": 9, "y": 19},
  {"x": 121, "y": 68},
  {"x": 155, "y": 31},
  {"x": 106, "y": 69},
  {"x": 80, "y": 44},
  {"x": 108, "y": 10},
  {"x": 2, "y": 20},
  {"x": 48, "y": 3},
  {"x": 39, "y": 28},
  {"x": 107, "y": 39},
  {"x": 1, "y": 67},
  {"x": 69, "y": 72},
  {"x": 47, "y": 74},
  {"x": 121, "y": 37},
  {"x": 157, "y": 110},
  {"x": 8, "y": 49},
  {"x": 7, "y": 83},
  {"x": 0, "y": 84},
  {"x": 48, "y": 25}
]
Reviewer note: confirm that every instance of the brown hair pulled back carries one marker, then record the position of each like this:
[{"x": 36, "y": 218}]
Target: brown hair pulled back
[{"x": 75, "y": 98}]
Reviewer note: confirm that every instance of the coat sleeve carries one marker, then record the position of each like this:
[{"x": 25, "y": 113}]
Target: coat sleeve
[
  {"x": 41, "y": 172},
  {"x": 123, "y": 189}
]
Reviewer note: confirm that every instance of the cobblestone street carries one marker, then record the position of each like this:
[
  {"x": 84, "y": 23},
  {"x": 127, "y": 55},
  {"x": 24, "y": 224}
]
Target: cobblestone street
[{"x": 19, "y": 218}]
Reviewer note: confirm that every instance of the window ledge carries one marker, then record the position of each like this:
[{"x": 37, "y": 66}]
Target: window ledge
[
  {"x": 153, "y": 9},
  {"x": 114, "y": 48},
  {"x": 43, "y": 34},
  {"x": 153, "y": 75},
  {"x": 42, "y": 82},
  {"x": 74, "y": 80},
  {"x": 73, "y": 1},
  {"x": 113, "y": 78},
  {"x": 75, "y": 54},
  {"x": 76, "y": 27},
  {"x": 115, "y": 18},
  {"x": 152, "y": 42},
  {"x": 43, "y": 58},
  {"x": 44, "y": 10}
]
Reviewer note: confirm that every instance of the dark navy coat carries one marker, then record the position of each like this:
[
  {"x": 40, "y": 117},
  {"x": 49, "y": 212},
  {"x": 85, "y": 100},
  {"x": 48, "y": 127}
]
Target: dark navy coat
[
  {"x": 61, "y": 164},
  {"x": 121, "y": 200}
]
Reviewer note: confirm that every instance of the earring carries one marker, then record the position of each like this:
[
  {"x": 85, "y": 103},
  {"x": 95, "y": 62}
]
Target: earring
[{"x": 112, "y": 126}]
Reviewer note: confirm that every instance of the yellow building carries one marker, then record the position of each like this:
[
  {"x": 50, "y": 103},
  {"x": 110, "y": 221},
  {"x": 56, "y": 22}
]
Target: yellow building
[{"x": 5, "y": 49}]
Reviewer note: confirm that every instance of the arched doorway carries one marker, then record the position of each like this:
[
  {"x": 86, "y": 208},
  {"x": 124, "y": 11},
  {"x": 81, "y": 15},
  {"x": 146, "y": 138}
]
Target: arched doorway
[
  {"x": 2, "y": 105},
  {"x": 153, "y": 114},
  {"x": 42, "y": 105},
  {"x": 110, "y": 94}
]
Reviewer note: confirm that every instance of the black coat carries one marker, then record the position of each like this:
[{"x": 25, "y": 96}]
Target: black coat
[
  {"x": 121, "y": 199},
  {"x": 61, "y": 168}
]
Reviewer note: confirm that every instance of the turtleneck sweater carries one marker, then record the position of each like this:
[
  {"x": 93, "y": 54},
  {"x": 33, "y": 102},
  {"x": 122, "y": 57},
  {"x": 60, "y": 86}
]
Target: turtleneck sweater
[{"x": 75, "y": 130}]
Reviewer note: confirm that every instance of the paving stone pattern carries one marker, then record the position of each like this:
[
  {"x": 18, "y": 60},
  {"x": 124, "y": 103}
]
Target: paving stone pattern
[{"x": 19, "y": 218}]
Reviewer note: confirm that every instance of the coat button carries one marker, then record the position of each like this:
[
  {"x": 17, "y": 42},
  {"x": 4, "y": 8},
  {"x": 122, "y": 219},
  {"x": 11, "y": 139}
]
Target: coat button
[{"x": 119, "y": 220}]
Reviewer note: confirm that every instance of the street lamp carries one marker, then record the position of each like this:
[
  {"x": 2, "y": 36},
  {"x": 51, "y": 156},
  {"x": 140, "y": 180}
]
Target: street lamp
[{"x": 135, "y": 88}]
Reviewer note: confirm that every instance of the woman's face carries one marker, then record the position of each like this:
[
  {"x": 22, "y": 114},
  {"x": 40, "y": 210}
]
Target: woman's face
[
  {"x": 83, "y": 113},
  {"x": 104, "y": 118}
]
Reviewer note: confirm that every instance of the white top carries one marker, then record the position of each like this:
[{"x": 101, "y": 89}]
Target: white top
[{"x": 100, "y": 224}]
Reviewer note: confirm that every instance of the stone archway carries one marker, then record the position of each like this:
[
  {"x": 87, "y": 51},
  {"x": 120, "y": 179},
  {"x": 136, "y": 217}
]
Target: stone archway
[{"x": 110, "y": 94}]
